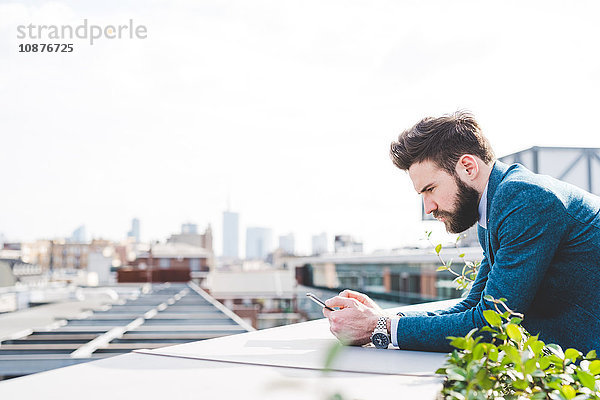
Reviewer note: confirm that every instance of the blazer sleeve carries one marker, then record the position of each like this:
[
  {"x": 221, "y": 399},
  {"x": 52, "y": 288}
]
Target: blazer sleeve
[{"x": 529, "y": 225}]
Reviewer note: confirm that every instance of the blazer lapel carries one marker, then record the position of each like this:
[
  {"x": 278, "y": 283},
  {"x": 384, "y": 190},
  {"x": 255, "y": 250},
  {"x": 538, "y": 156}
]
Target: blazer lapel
[{"x": 498, "y": 171}]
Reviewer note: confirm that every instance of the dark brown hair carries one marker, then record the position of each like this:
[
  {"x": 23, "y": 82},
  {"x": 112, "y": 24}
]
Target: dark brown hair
[{"x": 442, "y": 140}]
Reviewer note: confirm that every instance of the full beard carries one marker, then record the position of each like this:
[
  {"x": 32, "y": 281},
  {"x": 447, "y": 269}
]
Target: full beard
[{"x": 466, "y": 211}]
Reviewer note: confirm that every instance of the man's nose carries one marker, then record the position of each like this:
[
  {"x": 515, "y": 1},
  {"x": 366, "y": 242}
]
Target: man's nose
[{"x": 429, "y": 205}]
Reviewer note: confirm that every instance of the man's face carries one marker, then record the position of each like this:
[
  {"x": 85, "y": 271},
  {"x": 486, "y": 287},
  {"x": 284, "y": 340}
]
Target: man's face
[{"x": 450, "y": 199}]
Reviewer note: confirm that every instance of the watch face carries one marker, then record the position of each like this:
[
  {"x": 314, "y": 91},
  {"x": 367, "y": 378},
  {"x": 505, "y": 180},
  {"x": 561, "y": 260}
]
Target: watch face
[{"x": 380, "y": 340}]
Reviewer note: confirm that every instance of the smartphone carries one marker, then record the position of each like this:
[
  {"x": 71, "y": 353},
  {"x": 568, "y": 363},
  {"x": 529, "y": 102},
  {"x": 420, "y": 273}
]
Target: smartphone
[{"x": 318, "y": 301}]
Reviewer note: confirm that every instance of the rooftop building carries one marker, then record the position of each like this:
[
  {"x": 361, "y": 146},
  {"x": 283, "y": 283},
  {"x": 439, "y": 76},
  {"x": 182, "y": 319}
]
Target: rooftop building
[
  {"x": 347, "y": 244},
  {"x": 406, "y": 276},
  {"x": 189, "y": 235},
  {"x": 279, "y": 363},
  {"x": 152, "y": 317}
]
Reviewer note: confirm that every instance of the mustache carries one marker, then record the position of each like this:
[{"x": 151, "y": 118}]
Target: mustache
[{"x": 437, "y": 214}]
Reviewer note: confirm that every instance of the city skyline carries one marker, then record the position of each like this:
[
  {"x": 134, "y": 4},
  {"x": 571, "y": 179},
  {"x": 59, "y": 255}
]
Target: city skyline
[{"x": 286, "y": 241}]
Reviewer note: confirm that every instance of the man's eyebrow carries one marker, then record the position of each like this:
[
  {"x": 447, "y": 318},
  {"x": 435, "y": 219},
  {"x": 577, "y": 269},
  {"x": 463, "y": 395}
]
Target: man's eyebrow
[{"x": 425, "y": 188}]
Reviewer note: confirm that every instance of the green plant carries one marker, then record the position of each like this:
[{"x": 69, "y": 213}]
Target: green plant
[
  {"x": 465, "y": 278},
  {"x": 515, "y": 364},
  {"x": 511, "y": 363}
]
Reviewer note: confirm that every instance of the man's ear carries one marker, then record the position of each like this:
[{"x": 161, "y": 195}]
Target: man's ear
[{"x": 467, "y": 167}]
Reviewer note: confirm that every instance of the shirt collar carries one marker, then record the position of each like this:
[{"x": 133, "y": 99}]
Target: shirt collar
[{"x": 483, "y": 207}]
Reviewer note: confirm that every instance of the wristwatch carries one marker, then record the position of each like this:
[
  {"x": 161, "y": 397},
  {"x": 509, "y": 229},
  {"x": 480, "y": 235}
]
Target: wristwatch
[{"x": 380, "y": 337}]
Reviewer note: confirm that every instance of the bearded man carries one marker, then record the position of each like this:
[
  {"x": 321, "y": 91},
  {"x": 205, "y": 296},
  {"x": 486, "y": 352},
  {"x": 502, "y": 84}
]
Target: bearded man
[{"x": 540, "y": 239}]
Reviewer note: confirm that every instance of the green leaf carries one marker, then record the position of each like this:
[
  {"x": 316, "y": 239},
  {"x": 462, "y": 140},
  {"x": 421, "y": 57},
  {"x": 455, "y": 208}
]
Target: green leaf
[
  {"x": 595, "y": 367},
  {"x": 538, "y": 374},
  {"x": 544, "y": 363},
  {"x": 554, "y": 384},
  {"x": 483, "y": 379},
  {"x": 461, "y": 255},
  {"x": 478, "y": 351},
  {"x": 520, "y": 384},
  {"x": 568, "y": 391},
  {"x": 572, "y": 354},
  {"x": 530, "y": 366},
  {"x": 488, "y": 297},
  {"x": 441, "y": 371},
  {"x": 492, "y": 317},
  {"x": 513, "y": 332},
  {"x": 586, "y": 380},
  {"x": 459, "y": 343},
  {"x": 457, "y": 374},
  {"x": 554, "y": 359},
  {"x": 332, "y": 354},
  {"x": 438, "y": 248},
  {"x": 488, "y": 329},
  {"x": 537, "y": 347},
  {"x": 513, "y": 354},
  {"x": 516, "y": 320},
  {"x": 591, "y": 355},
  {"x": 455, "y": 395},
  {"x": 493, "y": 353},
  {"x": 441, "y": 268},
  {"x": 556, "y": 350}
]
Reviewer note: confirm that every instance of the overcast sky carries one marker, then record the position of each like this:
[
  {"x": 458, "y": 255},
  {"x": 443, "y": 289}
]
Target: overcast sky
[{"x": 286, "y": 107}]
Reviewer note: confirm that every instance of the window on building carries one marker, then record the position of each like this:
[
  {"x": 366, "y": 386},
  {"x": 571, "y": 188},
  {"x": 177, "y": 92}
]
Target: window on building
[
  {"x": 165, "y": 263},
  {"x": 195, "y": 264}
]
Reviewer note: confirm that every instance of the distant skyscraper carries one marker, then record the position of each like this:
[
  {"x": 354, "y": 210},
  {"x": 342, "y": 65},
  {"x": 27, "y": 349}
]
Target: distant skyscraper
[
  {"x": 319, "y": 244},
  {"x": 79, "y": 235},
  {"x": 258, "y": 243},
  {"x": 189, "y": 229},
  {"x": 231, "y": 233},
  {"x": 287, "y": 243},
  {"x": 135, "y": 230}
]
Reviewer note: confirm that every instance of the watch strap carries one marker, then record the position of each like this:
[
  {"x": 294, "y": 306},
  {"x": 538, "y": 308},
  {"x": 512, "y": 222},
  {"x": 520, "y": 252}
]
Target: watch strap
[{"x": 381, "y": 324}]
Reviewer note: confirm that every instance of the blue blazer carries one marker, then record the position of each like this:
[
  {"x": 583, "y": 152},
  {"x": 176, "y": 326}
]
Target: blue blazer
[{"x": 541, "y": 252}]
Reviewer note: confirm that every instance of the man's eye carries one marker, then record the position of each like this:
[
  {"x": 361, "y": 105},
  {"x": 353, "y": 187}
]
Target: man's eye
[{"x": 430, "y": 189}]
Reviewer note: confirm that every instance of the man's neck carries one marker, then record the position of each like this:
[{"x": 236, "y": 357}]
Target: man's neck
[{"x": 485, "y": 170}]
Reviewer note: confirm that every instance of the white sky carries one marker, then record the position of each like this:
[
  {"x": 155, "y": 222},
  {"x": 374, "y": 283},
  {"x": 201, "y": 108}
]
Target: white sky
[{"x": 288, "y": 106}]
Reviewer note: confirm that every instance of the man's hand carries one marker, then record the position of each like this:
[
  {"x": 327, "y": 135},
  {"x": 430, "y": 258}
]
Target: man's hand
[{"x": 356, "y": 319}]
